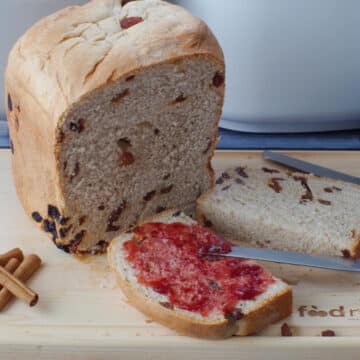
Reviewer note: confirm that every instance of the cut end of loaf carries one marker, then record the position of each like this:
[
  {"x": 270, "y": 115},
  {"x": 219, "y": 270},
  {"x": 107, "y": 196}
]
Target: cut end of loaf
[{"x": 135, "y": 148}]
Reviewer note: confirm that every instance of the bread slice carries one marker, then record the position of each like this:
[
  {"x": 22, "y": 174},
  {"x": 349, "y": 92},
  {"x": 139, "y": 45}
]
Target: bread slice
[
  {"x": 270, "y": 306},
  {"x": 113, "y": 109},
  {"x": 268, "y": 207}
]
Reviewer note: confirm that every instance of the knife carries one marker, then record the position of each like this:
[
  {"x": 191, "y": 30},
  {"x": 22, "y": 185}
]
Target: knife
[
  {"x": 309, "y": 167},
  {"x": 294, "y": 258}
]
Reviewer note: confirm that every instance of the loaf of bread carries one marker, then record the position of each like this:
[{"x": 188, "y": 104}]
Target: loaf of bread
[
  {"x": 113, "y": 110},
  {"x": 268, "y": 207},
  {"x": 194, "y": 283}
]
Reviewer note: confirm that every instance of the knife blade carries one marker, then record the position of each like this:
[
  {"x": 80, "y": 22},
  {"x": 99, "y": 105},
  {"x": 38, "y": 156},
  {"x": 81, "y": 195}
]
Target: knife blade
[
  {"x": 294, "y": 258},
  {"x": 309, "y": 167}
]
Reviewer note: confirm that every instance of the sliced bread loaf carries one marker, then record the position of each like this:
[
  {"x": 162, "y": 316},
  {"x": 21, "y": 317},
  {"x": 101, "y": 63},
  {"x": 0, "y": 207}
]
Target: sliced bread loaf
[
  {"x": 113, "y": 113},
  {"x": 192, "y": 301},
  {"x": 268, "y": 207}
]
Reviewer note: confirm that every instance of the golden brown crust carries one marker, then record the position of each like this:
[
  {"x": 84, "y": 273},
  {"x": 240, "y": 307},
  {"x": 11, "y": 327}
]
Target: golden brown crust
[
  {"x": 355, "y": 250},
  {"x": 33, "y": 165},
  {"x": 199, "y": 216}
]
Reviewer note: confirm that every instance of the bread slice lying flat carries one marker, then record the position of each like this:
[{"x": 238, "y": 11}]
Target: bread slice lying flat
[
  {"x": 268, "y": 207},
  {"x": 272, "y": 305}
]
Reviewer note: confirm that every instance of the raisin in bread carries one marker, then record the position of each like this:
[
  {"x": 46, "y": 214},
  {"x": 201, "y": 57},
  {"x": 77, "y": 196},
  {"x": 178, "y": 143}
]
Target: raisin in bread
[
  {"x": 165, "y": 290},
  {"x": 268, "y": 207},
  {"x": 113, "y": 113}
]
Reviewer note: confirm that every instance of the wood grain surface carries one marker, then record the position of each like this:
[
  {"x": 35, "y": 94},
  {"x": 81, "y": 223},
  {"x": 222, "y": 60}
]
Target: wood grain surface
[{"x": 81, "y": 313}]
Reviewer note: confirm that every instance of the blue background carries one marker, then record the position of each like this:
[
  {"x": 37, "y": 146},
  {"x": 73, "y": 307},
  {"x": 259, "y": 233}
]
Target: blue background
[{"x": 339, "y": 140}]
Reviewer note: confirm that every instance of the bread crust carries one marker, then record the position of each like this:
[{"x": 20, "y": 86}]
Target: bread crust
[
  {"x": 268, "y": 311},
  {"x": 67, "y": 57},
  {"x": 355, "y": 250}
]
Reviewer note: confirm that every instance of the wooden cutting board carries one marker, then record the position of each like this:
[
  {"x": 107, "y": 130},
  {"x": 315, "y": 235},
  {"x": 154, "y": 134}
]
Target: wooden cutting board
[{"x": 82, "y": 313}]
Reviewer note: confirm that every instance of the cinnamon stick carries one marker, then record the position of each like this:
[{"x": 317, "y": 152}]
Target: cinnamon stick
[
  {"x": 11, "y": 266},
  {"x": 14, "y": 253},
  {"x": 13, "y": 284}
]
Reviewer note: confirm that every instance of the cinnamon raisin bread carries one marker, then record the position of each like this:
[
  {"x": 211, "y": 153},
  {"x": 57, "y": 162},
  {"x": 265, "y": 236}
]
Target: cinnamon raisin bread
[
  {"x": 268, "y": 207},
  {"x": 165, "y": 276},
  {"x": 113, "y": 113}
]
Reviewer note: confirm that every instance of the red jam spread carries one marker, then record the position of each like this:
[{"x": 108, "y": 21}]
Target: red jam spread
[{"x": 173, "y": 259}]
